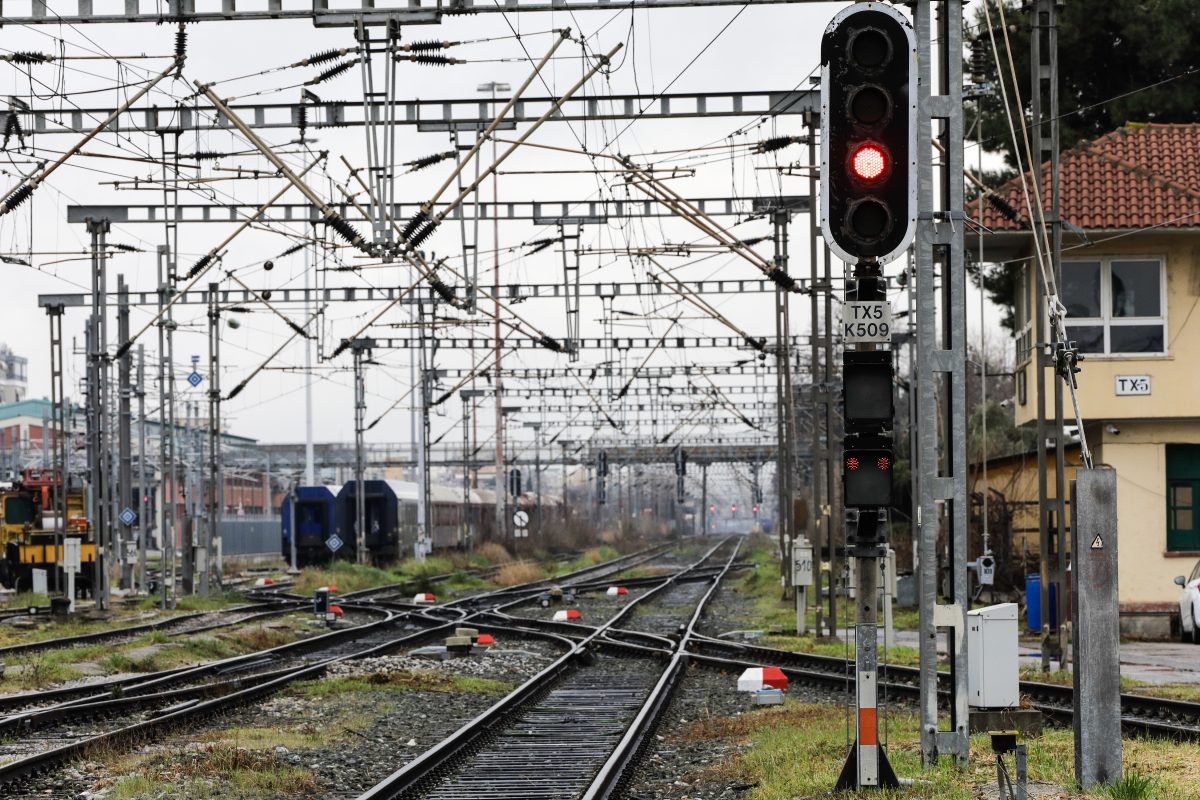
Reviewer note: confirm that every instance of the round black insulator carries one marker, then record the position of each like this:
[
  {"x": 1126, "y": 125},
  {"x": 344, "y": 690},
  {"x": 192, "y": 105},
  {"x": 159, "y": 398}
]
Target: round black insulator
[
  {"x": 781, "y": 279},
  {"x": 869, "y": 49},
  {"x": 979, "y": 60},
  {"x": 1001, "y": 205},
  {"x": 18, "y": 197},
  {"x": 433, "y": 60},
  {"x": 423, "y": 233},
  {"x": 775, "y": 143},
  {"x": 323, "y": 57},
  {"x": 27, "y": 57},
  {"x": 330, "y": 73},
  {"x": 427, "y": 161},
  {"x": 410, "y": 227},
  {"x": 266, "y": 294},
  {"x": 443, "y": 291},
  {"x": 199, "y": 266},
  {"x": 344, "y": 229}
]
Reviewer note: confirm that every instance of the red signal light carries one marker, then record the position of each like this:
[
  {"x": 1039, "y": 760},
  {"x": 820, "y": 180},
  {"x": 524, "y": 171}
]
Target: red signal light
[
  {"x": 712, "y": 508},
  {"x": 852, "y": 464},
  {"x": 755, "y": 509},
  {"x": 869, "y": 162},
  {"x": 883, "y": 463},
  {"x": 733, "y": 509}
]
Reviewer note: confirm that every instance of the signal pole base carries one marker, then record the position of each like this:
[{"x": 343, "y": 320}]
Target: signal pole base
[{"x": 848, "y": 780}]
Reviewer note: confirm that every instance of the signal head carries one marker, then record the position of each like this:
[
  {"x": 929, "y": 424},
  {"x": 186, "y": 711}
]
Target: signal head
[{"x": 868, "y": 133}]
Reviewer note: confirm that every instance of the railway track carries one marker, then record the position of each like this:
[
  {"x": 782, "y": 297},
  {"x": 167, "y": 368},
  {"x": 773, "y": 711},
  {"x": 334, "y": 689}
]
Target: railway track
[
  {"x": 1140, "y": 715},
  {"x": 117, "y": 713},
  {"x": 185, "y": 623},
  {"x": 571, "y": 731}
]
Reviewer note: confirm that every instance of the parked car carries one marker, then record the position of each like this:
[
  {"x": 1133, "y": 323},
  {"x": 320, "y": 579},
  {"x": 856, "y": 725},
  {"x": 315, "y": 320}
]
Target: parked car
[{"x": 1189, "y": 605}]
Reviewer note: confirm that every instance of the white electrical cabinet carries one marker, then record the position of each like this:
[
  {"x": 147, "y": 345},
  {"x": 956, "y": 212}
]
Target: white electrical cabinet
[{"x": 992, "y": 675}]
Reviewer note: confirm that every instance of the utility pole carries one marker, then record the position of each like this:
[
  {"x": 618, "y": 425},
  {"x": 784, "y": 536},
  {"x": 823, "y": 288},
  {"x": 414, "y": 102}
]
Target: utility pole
[
  {"x": 309, "y": 471},
  {"x": 783, "y": 398},
  {"x": 188, "y": 581},
  {"x": 98, "y": 514},
  {"x": 468, "y": 397},
  {"x": 168, "y": 483},
  {"x": 501, "y": 525},
  {"x": 60, "y": 408},
  {"x": 143, "y": 506},
  {"x": 361, "y": 351},
  {"x": 124, "y": 434},
  {"x": 209, "y": 561}
]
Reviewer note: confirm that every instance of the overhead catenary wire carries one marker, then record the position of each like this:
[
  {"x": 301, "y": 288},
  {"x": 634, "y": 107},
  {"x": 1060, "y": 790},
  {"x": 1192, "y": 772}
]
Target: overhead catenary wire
[{"x": 22, "y": 191}]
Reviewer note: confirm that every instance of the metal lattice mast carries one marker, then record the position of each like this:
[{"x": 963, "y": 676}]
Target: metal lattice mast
[
  {"x": 1052, "y": 519},
  {"x": 124, "y": 435},
  {"x": 941, "y": 449}
]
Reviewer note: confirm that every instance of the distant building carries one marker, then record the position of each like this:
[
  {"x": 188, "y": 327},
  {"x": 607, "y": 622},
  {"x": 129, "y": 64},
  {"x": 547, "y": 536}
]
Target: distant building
[{"x": 14, "y": 377}]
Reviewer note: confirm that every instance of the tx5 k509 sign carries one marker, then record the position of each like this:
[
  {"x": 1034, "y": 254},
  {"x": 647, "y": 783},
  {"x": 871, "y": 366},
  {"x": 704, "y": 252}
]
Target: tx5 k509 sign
[{"x": 866, "y": 322}]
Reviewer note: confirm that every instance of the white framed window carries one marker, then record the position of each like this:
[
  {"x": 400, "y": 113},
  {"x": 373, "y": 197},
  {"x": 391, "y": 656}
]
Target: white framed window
[{"x": 1116, "y": 306}]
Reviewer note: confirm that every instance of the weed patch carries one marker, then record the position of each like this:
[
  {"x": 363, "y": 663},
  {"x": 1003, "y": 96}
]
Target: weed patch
[{"x": 416, "y": 680}]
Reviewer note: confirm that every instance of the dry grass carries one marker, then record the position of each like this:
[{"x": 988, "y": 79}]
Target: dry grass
[
  {"x": 795, "y": 752},
  {"x": 513, "y": 574},
  {"x": 494, "y": 553},
  {"x": 217, "y": 771}
]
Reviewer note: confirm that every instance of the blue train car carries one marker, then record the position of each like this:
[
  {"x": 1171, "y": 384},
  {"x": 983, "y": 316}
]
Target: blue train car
[
  {"x": 314, "y": 511},
  {"x": 391, "y": 518}
]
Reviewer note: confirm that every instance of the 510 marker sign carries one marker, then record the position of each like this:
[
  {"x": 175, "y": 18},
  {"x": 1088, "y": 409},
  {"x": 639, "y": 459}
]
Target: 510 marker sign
[{"x": 866, "y": 322}]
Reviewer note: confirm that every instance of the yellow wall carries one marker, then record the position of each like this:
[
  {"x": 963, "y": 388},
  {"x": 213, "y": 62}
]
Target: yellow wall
[
  {"x": 1138, "y": 454},
  {"x": 1175, "y": 377}
]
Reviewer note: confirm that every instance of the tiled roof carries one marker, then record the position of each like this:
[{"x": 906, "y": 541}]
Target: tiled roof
[{"x": 1138, "y": 176}]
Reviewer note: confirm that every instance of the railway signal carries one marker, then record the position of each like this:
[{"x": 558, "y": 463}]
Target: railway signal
[{"x": 868, "y": 133}]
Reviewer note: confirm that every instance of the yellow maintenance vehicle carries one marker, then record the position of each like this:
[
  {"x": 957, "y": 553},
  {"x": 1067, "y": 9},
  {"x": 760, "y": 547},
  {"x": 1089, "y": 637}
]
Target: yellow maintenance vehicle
[{"x": 28, "y": 522}]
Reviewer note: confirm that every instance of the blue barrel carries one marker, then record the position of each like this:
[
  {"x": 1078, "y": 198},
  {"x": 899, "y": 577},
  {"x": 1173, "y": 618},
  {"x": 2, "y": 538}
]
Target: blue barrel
[{"x": 1033, "y": 603}]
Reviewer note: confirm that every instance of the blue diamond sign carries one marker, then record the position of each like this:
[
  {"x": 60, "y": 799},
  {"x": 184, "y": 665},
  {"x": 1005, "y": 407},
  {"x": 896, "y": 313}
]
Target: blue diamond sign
[
  {"x": 334, "y": 543},
  {"x": 128, "y": 516},
  {"x": 194, "y": 379}
]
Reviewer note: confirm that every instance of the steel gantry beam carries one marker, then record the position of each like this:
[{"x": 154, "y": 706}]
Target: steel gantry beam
[
  {"x": 405, "y": 12},
  {"x": 587, "y": 343},
  {"x": 422, "y": 294},
  {"x": 539, "y": 212},
  {"x": 697, "y": 453},
  {"x": 426, "y": 115}
]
